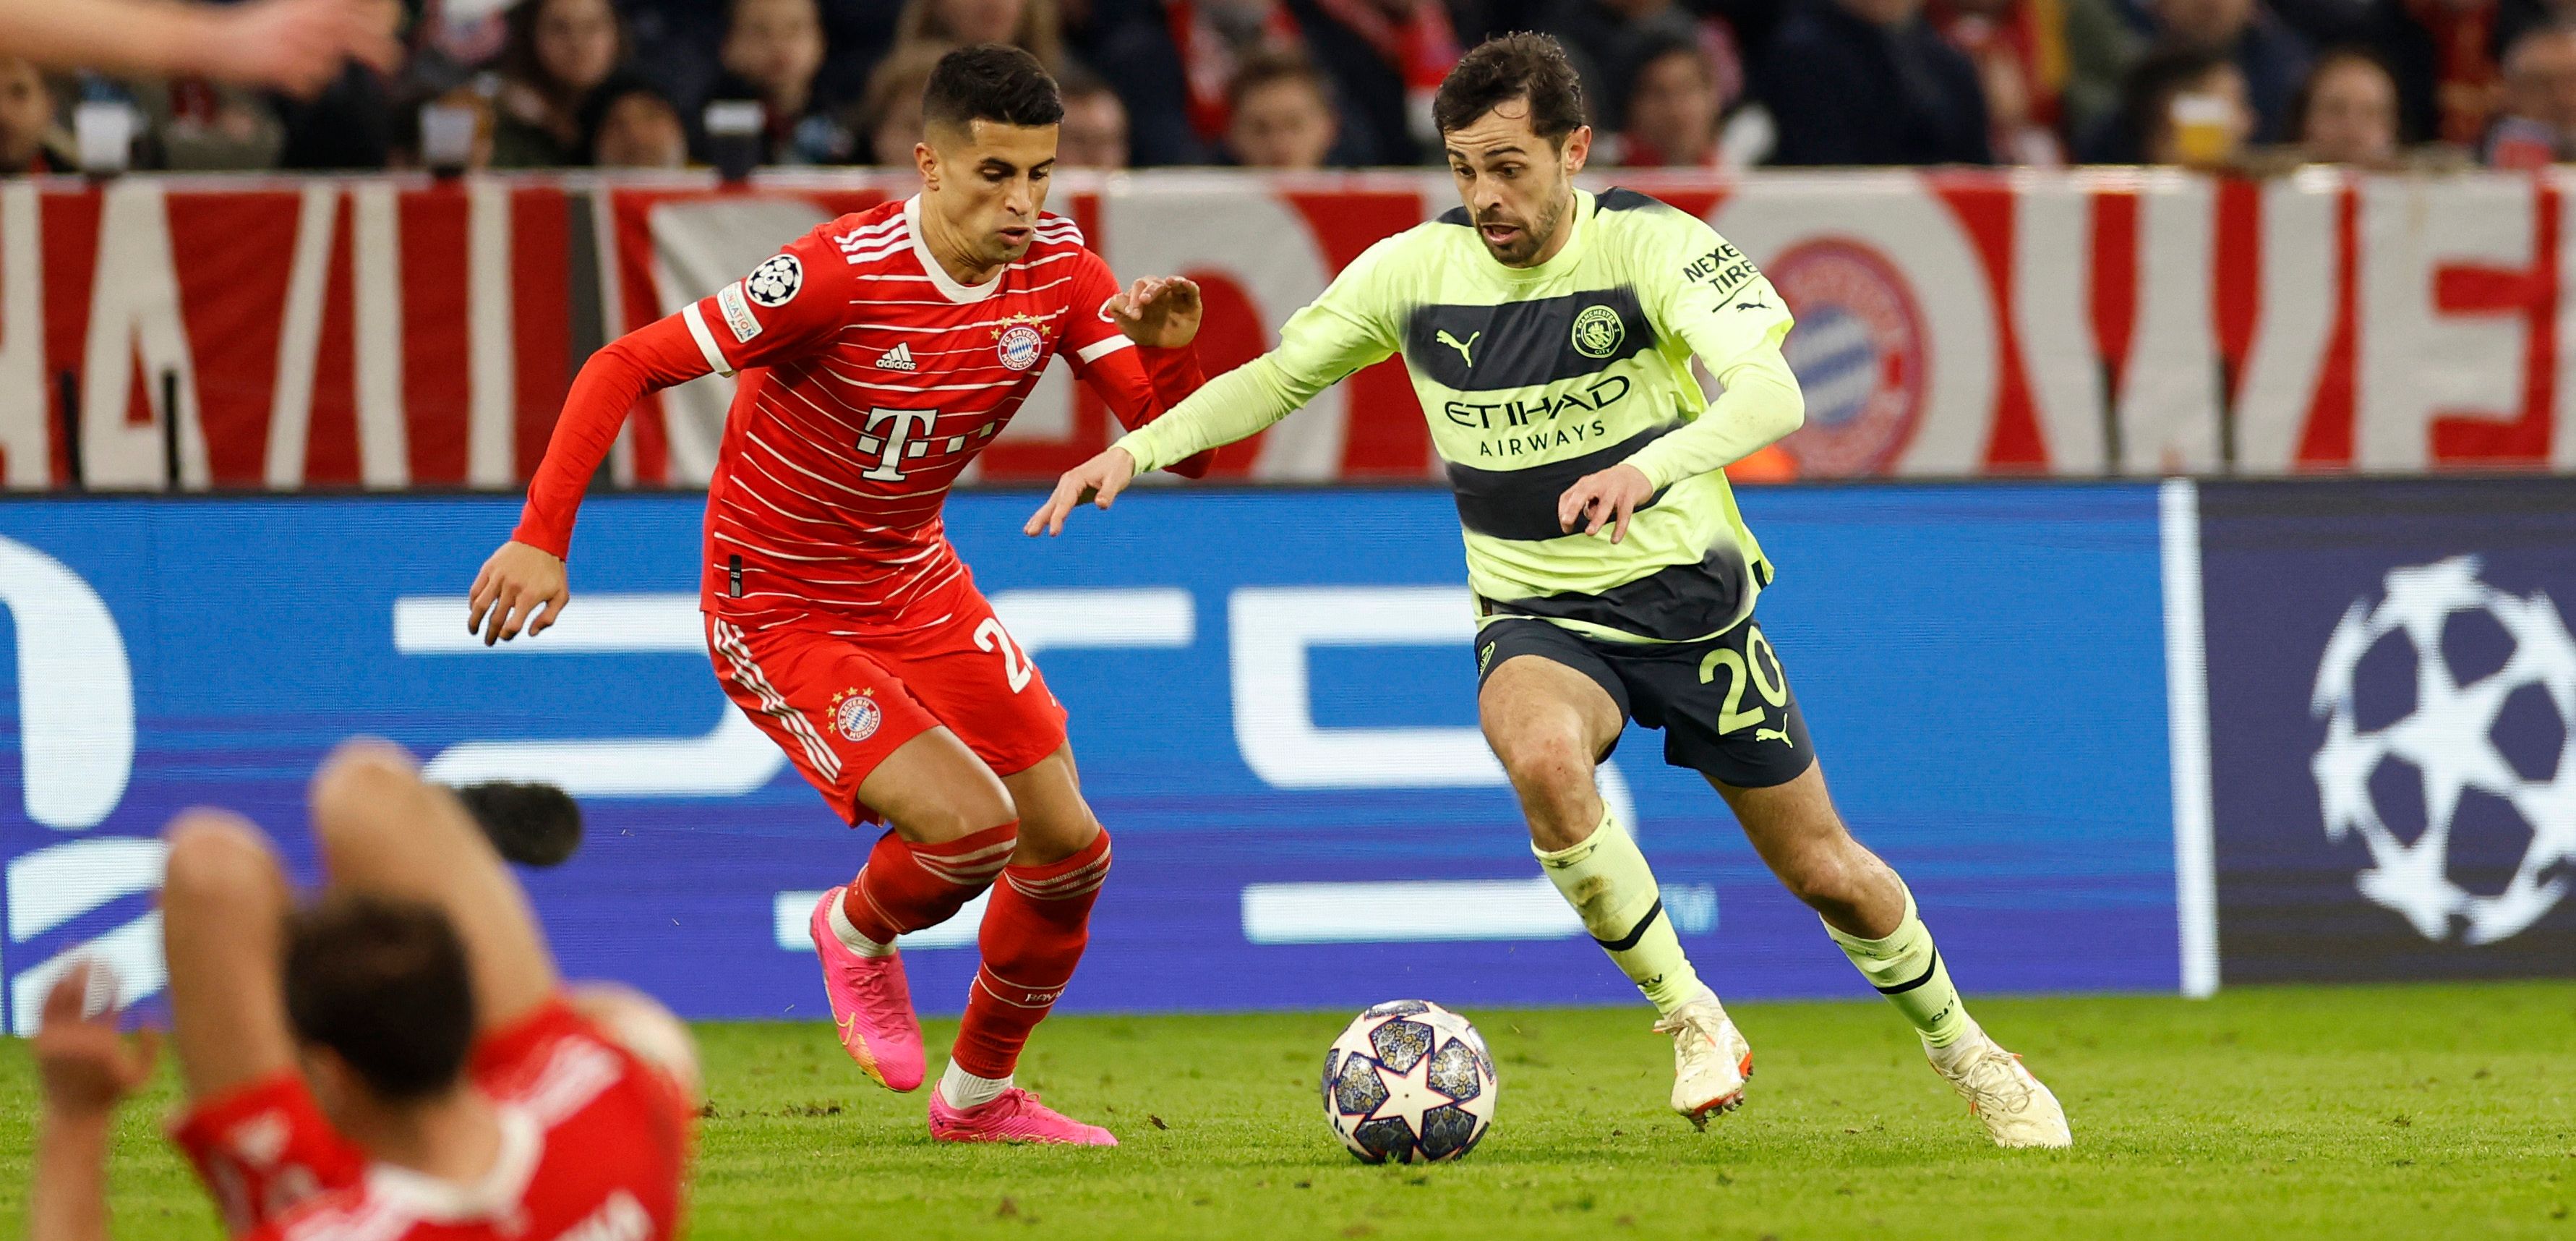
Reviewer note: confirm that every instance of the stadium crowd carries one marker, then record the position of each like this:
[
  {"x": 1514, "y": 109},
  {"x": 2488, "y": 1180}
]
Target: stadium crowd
[{"x": 1303, "y": 84}]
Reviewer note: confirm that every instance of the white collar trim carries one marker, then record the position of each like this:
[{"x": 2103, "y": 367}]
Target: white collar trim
[
  {"x": 497, "y": 1194},
  {"x": 962, "y": 294}
]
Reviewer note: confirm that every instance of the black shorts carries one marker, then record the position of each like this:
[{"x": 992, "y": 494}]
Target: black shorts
[{"x": 1723, "y": 703}]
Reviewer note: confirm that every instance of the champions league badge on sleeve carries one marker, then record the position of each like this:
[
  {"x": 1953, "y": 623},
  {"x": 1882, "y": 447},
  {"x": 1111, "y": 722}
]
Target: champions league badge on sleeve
[
  {"x": 1860, "y": 352},
  {"x": 1020, "y": 341},
  {"x": 856, "y": 715}
]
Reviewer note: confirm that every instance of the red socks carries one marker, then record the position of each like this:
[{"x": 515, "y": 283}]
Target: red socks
[
  {"x": 1034, "y": 932},
  {"x": 905, "y": 887}
]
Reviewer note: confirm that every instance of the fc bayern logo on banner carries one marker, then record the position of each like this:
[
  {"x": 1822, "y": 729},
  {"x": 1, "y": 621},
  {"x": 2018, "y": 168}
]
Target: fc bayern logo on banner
[{"x": 1860, "y": 352}]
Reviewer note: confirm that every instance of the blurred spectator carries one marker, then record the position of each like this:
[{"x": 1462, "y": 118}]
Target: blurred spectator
[
  {"x": 772, "y": 51},
  {"x": 559, "y": 52},
  {"x": 888, "y": 118},
  {"x": 1677, "y": 114},
  {"x": 2100, "y": 46},
  {"x": 2538, "y": 125},
  {"x": 2444, "y": 55},
  {"x": 629, "y": 123},
  {"x": 1384, "y": 59},
  {"x": 1283, "y": 114},
  {"x": 446, "y": 52},
  {"x": 193, "y": 125},
  {"x": 350, "y": 125},
  {"x": 31, "y": 135},
  {"x": 2347, "y": 112},
  {"x": 1172, "y": 67},
  {"x": 2019, "y": 48},
  {"x": 1869, "y": 82},
  {"x": 2185, "y": 106},
  {"x": 1610, "y": 42},
  {"x": 1095, "y": 123},
  {"x": 1029, "y": 24},
  {"x": 2270, "y": 58}
]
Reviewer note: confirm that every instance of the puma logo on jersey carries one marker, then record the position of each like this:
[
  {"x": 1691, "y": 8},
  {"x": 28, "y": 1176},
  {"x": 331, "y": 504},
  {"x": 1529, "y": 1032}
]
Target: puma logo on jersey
[
  {"x": 1756, "y": 304},
  {"x": 1462, "y": 346},
  {"x": 898, "y": 358},
  {"x": 1780, "y": 735}
]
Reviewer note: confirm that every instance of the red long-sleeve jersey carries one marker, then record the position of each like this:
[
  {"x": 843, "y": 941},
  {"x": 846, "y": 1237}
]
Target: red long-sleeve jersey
[{"x": 869, "y": 379}]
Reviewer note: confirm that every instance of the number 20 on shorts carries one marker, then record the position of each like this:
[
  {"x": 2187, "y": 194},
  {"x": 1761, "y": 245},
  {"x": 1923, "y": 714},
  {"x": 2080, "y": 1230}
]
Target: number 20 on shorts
[{"x": 1769, "y": 681}]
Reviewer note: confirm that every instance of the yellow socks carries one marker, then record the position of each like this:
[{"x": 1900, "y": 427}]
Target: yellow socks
[
  {"x": 1607, "y": 881},
  {"x": 1907, "y": 969}
]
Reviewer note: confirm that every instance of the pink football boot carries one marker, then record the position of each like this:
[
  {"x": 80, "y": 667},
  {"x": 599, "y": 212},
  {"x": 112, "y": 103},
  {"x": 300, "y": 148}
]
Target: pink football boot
[
  {"x": 871, "y": 1004},
  {"x": 1013, "y": 1116}
]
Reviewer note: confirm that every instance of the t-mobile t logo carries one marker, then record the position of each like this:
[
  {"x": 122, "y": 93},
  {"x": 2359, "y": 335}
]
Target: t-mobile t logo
[{"x": 897, "y": 442}]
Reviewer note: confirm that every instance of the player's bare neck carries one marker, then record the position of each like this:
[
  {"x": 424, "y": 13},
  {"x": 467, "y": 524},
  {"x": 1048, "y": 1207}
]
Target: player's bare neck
[
  {"x": 949, "y": 249},
  {"x": 456, "y": 1139}
]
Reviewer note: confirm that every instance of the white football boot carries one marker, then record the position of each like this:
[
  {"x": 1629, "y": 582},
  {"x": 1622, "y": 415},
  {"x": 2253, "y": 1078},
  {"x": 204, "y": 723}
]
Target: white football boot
[
  {"x": 1711, "y": 1060},
  {"x": 2016, "y": 1110}
]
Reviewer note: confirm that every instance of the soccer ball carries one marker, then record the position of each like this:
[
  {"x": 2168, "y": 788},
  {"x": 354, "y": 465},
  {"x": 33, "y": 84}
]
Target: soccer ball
[
  {"x": 1409, "y": 1081},
  {"x": 2449, "y": 739}
]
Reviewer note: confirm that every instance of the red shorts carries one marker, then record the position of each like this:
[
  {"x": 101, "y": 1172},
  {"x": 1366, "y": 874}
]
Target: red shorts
[{"x": 839, "y": 700}]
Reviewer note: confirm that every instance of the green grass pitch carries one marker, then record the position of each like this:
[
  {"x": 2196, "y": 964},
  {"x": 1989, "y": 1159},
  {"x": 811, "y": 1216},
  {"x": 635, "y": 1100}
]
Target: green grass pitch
[{"x": 2426, "y": 1111}]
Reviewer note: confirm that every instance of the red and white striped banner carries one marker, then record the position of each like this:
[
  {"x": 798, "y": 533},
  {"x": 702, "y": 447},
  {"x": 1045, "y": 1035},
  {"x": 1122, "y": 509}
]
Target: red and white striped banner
[{"x": 390, "y": 333}]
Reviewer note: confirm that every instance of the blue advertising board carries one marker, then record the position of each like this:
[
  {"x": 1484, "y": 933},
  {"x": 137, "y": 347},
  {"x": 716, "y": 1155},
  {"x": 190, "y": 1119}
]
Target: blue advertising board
[
  {"x": 1273, "y": 706},
  {"x": 2391, "y": 686}
]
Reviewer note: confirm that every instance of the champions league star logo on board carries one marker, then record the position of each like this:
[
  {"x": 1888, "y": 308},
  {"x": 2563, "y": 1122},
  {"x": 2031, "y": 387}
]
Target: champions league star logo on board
[
  {"x": 1020, "y": 341},
  {"x": 2499, "y": 742},
  {"x": 856, "y": 715}
]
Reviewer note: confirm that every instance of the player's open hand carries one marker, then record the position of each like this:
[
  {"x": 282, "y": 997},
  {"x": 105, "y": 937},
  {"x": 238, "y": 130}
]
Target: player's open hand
[
  {"x": 1605, "y": 498},
  {"x": 520, "y": 587},
  {"x": 83, "y": 1065},
  {"x": 1097, "y": 481},
  {"x": 298, "y": 46},
  {"x": 1161, "y": 312}
]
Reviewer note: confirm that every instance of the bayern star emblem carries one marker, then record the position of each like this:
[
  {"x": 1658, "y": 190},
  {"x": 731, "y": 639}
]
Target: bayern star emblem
[
  {"x": 856, "y": 715},
  {"x": 1020, "y": 342}
]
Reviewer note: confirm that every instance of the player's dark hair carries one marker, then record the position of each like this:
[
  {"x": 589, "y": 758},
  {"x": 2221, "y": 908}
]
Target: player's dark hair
[
  {"x": 1508, "y": 67},
  {"x": 384, "y": 984},
  {"x": 990, "y": 82}
]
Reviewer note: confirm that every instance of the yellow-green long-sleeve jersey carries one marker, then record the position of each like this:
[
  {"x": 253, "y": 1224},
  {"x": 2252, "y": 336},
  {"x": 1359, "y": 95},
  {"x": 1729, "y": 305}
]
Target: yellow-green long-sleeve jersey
[{"x": 1535, "y": 377}]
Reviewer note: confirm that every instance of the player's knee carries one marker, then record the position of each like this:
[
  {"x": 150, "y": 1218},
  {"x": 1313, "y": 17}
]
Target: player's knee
[
  {"x": 962, "y": 812},
  {"x": 1820, "y": 878},
  {"x": 215, "y": 859},
  {"x": 1549, "y": 766}
]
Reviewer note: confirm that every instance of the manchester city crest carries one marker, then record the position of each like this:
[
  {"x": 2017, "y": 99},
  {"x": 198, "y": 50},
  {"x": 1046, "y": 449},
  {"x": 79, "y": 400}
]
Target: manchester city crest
[
  {"x": 856, "y": 715},
  {"x": 1020, "y": 341},
  {"x": 1598, "y": 331}
]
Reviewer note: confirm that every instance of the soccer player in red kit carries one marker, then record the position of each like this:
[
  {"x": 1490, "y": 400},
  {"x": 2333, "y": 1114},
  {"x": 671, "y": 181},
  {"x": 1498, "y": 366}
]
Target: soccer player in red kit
[
  {"x": 879, "y": 353},
  {"x": 396, "y": 1062}
]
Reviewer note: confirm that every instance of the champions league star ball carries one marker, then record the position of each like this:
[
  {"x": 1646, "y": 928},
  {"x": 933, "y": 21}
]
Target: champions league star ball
[{"x": 1409, "y": 1081}]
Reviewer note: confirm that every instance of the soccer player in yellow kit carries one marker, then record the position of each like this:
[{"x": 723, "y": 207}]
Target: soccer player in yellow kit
[{"x": 1549, "y": 333}]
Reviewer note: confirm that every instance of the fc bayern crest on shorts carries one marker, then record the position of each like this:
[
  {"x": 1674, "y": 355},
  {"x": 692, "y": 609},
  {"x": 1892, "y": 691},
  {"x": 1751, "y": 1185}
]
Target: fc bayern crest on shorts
[
  {"x": 775, "y": 282},
  {"x": 1861, "y": 353},
  {"x": 1020, "y": 342},
  {"x": 856, "y": 715}
]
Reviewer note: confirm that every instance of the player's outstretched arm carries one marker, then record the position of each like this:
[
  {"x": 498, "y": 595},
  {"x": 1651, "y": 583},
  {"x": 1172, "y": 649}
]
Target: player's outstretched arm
[
  {"x": 385, "y": 831},
  {"x": 296, "y": 46},
  {"x": 83, "y": 1069},
  {"x": 1095, "y": 482}
]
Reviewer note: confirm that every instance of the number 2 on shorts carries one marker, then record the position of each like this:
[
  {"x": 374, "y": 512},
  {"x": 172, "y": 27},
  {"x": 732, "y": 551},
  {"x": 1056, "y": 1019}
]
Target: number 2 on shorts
[
  {"x": 990, "y": 636},
  {"x": 1739, "y": 670}
]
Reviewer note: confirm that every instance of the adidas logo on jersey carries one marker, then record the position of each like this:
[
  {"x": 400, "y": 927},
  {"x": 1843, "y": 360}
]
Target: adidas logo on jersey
[{"x": 898, "y": 358}]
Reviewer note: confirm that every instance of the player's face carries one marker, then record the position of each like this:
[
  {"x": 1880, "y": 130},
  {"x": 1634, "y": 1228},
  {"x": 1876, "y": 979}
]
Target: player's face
[
  {"x": 1518, "y": 186},
  {"x": 988, "y": 182}
]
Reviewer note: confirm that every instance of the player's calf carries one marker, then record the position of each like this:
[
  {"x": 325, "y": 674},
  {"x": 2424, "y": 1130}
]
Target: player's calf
[{"x": 1034, "y": 932}]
